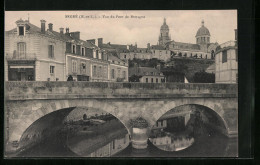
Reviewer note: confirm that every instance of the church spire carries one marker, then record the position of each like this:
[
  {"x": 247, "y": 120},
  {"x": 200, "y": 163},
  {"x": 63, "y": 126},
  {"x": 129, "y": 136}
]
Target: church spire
[
  {"x": 164, "y": 20},
  {"x": 202, "y": 22}
]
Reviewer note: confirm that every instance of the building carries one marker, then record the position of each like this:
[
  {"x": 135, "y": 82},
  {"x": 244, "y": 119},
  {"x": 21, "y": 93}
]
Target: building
[
  {"x": 34, "y": 54},
  {"x": 37, "y": 54},
  {"x": 167, "y": 48},
  {"x": 147, "y": 74},
  {"x": 226, "y": 70},
  {"x": 118, "y": 69},
  {"x": 164, "y": 36},
  {"x": 202, "y": 49}
]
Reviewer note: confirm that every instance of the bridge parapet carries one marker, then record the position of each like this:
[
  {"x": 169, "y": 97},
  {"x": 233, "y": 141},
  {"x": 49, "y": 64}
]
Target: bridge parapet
[{"x": 73, "y": 90}]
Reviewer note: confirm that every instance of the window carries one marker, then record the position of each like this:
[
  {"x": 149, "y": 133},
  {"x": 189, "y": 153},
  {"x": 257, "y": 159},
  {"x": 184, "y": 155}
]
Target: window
[
  {"x": 125, "y": 56},
  {"x": 113, "y": 73},
  {"x": 83, "y": 68},
  {"x": 236, "y": 78},
  {"x": 50, "y": 51},
  {"x": 52, "y": 69},
  {"x": 224, "y": 56},
  {"x": 113, "y": 144},
  {"x": 156, "y": 80},
  {"x": 96, "y": 54},
  {"x": 83, "y": 51},
  {"x": 74, "y": 49},
  {"x": 100, "y": 71},
  {"x": 146, "y": 80},
  {"x": 152, "y": 80},
  {"x": 118, "y": 72},
  {"x": 94, "y": 70},
  {"x": 21, "y": 31},
  {"x": 21, "y": 49},
  {"x": 74, "y": 66},
  {"x": 124, "y": 74}
]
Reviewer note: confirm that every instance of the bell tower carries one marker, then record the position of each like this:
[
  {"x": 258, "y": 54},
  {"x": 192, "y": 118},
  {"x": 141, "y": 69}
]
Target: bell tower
[{"x": 164, "y": 36}]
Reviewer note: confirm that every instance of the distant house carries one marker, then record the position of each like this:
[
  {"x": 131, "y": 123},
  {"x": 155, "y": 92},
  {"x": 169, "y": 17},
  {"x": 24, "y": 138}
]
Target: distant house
[{"x": 147, "y": 74}]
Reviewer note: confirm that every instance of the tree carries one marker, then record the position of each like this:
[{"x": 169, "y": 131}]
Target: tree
[
  {"x": 204, "y": 77},
  {"x": 134, "y": 78}
]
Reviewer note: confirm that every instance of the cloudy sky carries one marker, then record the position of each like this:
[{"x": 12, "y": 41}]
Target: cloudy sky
[{"x": 141, "y": 27}]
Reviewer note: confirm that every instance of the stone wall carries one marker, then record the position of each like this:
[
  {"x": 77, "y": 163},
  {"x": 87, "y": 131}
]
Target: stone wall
[{"x": 72, "y": 90}]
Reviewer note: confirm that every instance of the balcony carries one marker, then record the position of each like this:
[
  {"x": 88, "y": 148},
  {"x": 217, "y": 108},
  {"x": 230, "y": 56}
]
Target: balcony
[{"x": 27, "y": 56}]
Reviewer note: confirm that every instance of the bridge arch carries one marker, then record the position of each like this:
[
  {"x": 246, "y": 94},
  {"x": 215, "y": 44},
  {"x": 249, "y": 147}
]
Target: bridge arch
[
  {"x": 34, "y": 110},
  {"x": 215, "y": 106}
]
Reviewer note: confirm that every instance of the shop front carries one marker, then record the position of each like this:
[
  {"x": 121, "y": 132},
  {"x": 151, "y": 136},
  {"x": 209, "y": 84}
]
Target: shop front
[{"x": 21, "y": 71}]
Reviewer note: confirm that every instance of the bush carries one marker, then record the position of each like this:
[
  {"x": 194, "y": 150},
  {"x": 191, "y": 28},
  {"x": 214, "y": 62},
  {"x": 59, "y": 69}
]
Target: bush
[{"x": 204, "y": 77}]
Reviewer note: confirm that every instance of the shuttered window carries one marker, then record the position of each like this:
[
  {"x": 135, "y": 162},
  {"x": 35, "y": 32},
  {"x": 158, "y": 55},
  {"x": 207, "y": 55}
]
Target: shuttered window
[
  {"x": 51, "y": 51},
  {"x": 21, "y": 49},
  {"x": 74, "y": 66}
]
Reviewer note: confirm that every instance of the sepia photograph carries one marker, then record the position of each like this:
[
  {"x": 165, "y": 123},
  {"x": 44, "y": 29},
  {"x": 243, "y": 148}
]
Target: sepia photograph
[{"x": 121, "y": 83}]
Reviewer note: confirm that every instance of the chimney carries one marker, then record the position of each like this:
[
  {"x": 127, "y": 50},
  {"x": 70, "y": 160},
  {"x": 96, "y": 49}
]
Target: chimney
[
  {"x": 50, "y": 26},
  {"x": 43, "y": 26},
  {"x": 100, "y": 42},
  {"x": 148, "y": 46},
  {"x": 61, "y": 30},
  {"x": 75, "y": 35}
]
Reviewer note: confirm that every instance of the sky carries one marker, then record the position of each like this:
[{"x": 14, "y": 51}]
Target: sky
[{"x": 130, "y": 26}]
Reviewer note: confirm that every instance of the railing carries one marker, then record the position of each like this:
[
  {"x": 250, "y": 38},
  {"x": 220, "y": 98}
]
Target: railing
[{"x": 27, "y": 56}]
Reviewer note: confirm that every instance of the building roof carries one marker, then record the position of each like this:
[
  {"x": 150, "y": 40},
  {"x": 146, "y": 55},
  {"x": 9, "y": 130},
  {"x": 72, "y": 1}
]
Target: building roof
[
  {"x": 202, "y": 31},
  {"x": 33, "y": 29},
  {"x": 157, "y": 47},
  {"x": 113, "y": 58}
]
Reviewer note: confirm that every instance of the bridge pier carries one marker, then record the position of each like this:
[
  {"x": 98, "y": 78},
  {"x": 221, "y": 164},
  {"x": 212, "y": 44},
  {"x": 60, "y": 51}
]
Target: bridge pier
[{"x": 139, "y": 133}]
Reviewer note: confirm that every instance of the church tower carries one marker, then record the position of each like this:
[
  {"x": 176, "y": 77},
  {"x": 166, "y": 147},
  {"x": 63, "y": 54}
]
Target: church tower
[
  {"x": 164, "y": 36},
  {"x": 203, "y": 37}
]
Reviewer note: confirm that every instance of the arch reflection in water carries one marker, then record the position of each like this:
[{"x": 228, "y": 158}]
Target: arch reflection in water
[
  {"x": 95, "y": 133},
  {"x": 179, "y": 128}
]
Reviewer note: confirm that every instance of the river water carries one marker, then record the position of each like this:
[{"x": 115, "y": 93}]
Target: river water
[{"x": 206, "y": 145}]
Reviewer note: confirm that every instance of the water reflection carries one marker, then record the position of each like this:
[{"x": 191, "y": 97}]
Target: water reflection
[
  {"x": 170, "y": 142},
  {"x": 83, "y": 133},
  {"x": 175, "y": 132},
  {"x": 97, "y": 134}
]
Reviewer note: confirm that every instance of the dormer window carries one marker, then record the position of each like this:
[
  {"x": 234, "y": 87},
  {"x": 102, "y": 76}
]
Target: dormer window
[
  {"x": 21, "y": 30},
  {"x": 74, "y": 49},
  {"x": 83, "y": 51}
]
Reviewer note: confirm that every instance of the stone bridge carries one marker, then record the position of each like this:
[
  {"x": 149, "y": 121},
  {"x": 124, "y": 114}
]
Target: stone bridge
[{"x": 26, "y": 102}]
